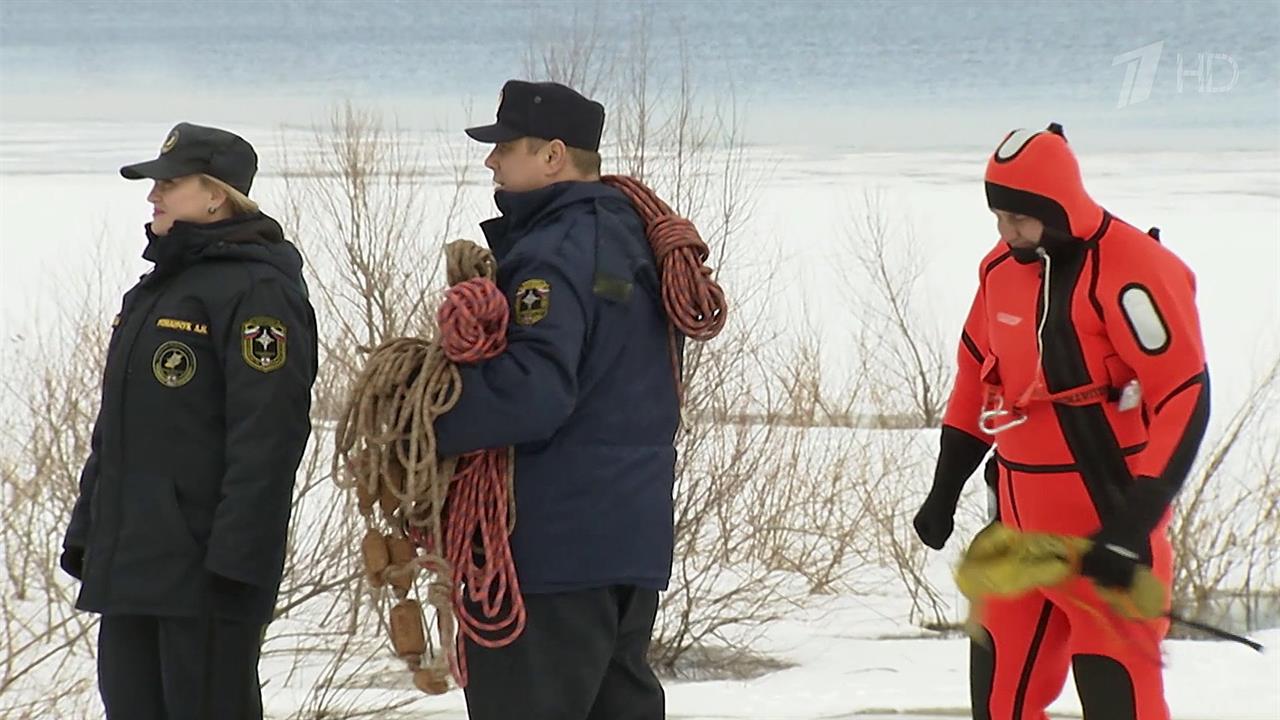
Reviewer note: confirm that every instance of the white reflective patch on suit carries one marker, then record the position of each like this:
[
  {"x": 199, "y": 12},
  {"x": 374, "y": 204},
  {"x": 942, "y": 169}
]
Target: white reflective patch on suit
[
  {"x": 1144, "y": 318},
  {"x": 1013, "y": 144}
]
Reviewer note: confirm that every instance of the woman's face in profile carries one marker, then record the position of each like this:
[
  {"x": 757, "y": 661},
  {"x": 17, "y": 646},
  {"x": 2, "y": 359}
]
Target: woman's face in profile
[{"x": 185, "y": 198}]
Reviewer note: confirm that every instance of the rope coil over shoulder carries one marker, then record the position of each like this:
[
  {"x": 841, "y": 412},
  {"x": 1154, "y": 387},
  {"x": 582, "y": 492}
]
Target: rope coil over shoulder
[
  {"x": 694, "y": 302},
  {"x": 452, "y": 517}
]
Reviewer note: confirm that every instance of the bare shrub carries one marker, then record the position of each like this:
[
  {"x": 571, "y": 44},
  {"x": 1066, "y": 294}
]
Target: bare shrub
[
  {"x": 371, "y": 212},
  {"x": 764, "y": 521},
  {"x": 358, "y": 200},
  {"x": 50, "y": 394},
  {"x": 906, "y": 363},
  {"x": 1226, "y": 526}
]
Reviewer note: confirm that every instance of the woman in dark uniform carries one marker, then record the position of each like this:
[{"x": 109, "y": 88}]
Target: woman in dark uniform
[{"x": 178, "y": 535}]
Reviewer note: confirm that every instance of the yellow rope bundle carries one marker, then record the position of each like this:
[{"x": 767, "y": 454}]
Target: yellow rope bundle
[{"x": 1002, "y": 562}]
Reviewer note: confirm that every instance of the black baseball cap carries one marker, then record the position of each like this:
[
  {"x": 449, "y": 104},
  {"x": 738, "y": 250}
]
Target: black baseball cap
[
  {"x": 192, "y": 149},
  {"x": 546, "y": 110}
]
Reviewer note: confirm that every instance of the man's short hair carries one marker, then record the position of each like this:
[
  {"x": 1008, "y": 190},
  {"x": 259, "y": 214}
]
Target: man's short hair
[{"x": 586, "y": 162}]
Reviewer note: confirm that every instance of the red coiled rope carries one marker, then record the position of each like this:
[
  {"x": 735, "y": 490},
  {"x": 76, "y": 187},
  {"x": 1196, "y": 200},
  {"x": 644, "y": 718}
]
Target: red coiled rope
[
  {"x": 473, "y": 328},
  {"x": 694, "y": 302},
  {"x": 473, "y": 321},
  {"x": 486, "y": 588}
]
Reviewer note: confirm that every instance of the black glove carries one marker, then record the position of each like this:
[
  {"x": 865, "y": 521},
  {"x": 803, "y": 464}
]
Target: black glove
[
  {"x": 958, "y": 457},
  {"x": 935, "y": 521},
  {"x": 1123, "y": 544},
  {"x": 225, "y": 587},
  {"x": 231, "y": 598},
  {"x": 1115, "y": 558},
  {"x": 72, "y": 561}
]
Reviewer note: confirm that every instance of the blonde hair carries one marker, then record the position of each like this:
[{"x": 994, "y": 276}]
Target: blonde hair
[{"x": 239, "y": 202}]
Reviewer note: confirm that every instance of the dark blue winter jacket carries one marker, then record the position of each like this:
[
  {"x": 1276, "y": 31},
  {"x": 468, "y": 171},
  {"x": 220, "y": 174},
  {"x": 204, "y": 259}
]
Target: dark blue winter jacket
[{"x": 585, "y": 391}]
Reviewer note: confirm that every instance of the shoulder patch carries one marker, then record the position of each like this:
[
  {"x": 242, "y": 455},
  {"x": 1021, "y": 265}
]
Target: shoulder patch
[
  {"x": 264, "y": 343},
  {"x": 1144, "y": 319},
  {"x": 533, "y": 300},
  {"x": 174, "y": 364}
]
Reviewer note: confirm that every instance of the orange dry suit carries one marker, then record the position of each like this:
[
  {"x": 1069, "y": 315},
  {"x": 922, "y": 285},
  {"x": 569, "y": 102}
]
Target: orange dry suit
[{"x": 1081, "y": 361}]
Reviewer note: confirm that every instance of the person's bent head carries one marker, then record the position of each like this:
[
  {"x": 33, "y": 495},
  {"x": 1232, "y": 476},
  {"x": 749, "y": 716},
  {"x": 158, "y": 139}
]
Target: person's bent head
[
  {"x": 545, "y": 133},
  {"x": 203, "y": 175},
  {"x": 1035, "y": 190}
]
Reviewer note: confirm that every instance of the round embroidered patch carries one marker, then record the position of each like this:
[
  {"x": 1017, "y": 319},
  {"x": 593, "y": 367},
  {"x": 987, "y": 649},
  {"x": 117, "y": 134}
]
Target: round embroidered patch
[{"x": 174, "y": 364}]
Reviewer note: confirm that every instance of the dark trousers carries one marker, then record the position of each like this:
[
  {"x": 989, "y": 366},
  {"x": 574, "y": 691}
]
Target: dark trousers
[
  {"x": 154, "y": 668},
  {"x": 582, "y": 656}
]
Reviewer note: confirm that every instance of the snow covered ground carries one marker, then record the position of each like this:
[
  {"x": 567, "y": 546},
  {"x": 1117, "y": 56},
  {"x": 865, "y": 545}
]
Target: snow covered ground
[
  {"x": 856, "y": 658},
  {"x": 847, "y": 668}
]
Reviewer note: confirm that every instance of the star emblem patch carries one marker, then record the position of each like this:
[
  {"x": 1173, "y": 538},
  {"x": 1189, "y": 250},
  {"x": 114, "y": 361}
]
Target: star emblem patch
[{"x": 533, "y": 300}]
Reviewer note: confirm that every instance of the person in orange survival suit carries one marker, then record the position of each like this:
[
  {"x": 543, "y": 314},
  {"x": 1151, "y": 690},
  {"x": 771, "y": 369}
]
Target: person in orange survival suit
[{"x": 1081, "y": 360}]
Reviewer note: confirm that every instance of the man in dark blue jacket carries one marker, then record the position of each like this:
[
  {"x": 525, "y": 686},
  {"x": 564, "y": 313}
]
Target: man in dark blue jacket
[{"x": 586, "y": 394}]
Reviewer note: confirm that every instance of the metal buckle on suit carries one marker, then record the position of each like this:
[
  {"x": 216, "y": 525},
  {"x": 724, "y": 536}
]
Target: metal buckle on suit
[{"x": 996, "y": 418}]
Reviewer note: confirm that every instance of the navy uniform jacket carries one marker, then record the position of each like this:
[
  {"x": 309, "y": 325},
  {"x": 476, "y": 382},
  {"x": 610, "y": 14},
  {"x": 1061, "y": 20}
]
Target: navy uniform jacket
[
  {"x": 185, "y": 500},
  {"x": 585, "y": 391}
]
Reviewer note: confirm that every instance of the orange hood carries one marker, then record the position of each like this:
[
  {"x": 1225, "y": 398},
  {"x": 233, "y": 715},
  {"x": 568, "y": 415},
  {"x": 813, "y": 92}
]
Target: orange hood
[{"x": 1034, "y": 173}]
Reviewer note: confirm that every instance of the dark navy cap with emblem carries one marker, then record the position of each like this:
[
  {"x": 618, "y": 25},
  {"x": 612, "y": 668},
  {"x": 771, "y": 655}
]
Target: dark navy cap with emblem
[
  {"x": 545, "y": 110},
  {"x": 195, "y": 149}
]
